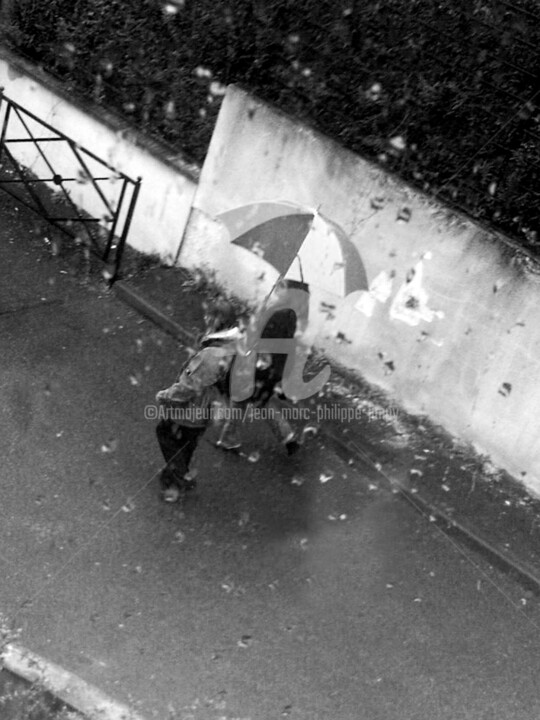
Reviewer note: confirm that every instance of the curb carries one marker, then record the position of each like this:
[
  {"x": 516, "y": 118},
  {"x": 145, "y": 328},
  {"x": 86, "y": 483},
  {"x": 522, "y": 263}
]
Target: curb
[
  {"x": 67, "y": 687},
  {"x": 526, "y": 575},
  {"x": 529, "y": 577},
  {"x": 504, "y": 560},
  {"x": 137, "y": 302}
]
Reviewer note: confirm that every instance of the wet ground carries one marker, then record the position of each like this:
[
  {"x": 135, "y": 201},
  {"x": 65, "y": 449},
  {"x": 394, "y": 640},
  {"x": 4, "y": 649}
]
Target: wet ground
[{"x": 305, "y": 589}]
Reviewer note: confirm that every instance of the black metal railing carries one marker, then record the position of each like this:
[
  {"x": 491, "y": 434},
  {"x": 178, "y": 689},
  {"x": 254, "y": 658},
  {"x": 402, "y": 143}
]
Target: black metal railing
[{"x": 48, "y": 192}]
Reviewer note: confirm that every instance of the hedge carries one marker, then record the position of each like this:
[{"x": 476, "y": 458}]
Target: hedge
[{"x": 444, "y": 93}]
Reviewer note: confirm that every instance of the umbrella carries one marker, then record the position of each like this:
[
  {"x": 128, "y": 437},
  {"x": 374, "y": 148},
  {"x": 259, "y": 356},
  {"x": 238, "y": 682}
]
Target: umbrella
[{"x": 288, "y": 235}]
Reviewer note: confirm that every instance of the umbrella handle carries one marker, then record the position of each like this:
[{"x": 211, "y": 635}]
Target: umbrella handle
[
  {"x": 280, "y": 278},
  {"x": 274, "y": 286},
  {"x": 300, "y": 266}
]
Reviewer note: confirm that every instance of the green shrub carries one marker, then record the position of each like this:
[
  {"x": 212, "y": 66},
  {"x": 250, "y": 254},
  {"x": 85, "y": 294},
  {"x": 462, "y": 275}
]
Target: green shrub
[{"x": 443, "y": 93}]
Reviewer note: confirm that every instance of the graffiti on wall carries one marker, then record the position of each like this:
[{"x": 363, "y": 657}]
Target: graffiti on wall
[
  {"x": 379, "y": 291},
  {"x": 410, "y": 304}
]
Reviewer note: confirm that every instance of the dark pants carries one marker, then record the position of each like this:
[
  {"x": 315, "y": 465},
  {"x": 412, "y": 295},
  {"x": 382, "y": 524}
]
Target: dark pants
[{"x": 177, "y": 443}]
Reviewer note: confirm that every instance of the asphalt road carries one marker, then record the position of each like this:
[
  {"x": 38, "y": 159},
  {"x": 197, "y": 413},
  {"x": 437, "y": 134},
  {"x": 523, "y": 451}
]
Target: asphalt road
[{"x": 302, "y": 589}]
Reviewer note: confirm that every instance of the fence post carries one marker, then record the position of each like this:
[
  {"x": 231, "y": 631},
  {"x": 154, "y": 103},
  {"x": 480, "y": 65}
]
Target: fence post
[{"x": 125, "y": 230}]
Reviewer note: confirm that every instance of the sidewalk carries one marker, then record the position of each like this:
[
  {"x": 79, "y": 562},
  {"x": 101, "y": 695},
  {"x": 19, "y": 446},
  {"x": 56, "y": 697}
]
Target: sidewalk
[
  {"x": 439, "y": 475},
  {"x": 301, "y": 588}
]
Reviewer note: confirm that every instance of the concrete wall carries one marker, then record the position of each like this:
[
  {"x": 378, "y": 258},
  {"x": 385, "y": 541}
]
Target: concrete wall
[
  {"x": 449, "y": 326},
  {"x": 167, "y": 187}
]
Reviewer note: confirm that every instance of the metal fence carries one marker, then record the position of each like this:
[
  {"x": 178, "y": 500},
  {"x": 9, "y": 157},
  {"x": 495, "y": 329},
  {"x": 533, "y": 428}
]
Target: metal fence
[{"x": 59, "y": 165}]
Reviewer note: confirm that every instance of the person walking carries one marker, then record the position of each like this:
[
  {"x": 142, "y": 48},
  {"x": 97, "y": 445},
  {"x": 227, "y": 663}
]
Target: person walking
[
  {"x": 283, "y": 324},
  {"x": 186, "y": 410}
]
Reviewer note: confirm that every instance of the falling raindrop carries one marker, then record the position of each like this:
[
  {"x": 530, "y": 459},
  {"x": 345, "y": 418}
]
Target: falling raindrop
[
  {"x": 202, "y": 72},
  {"x": 505, "y": 389},
  {"x": 170, "y": 110},
  {"x": 404, "y": 215},
  {"x": 217, "y": 88},
  {"x": 245, "y": 641},
  {"x": 398, "y": 143},
  {"x": 310, "y": 430},
  {"x": 179, "y": 537},
  {"x": 377, "y": 203},
  {"x": 243, "y": 520},
  {"x": 173, "y": 7},
  {"x": 82, "y": 177},
  {"x": 342, "y": 338},
  {"x": 109, "y": 446},
  {"x": 129, "y": 506},
  {"x": 374, "y": 92}
]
